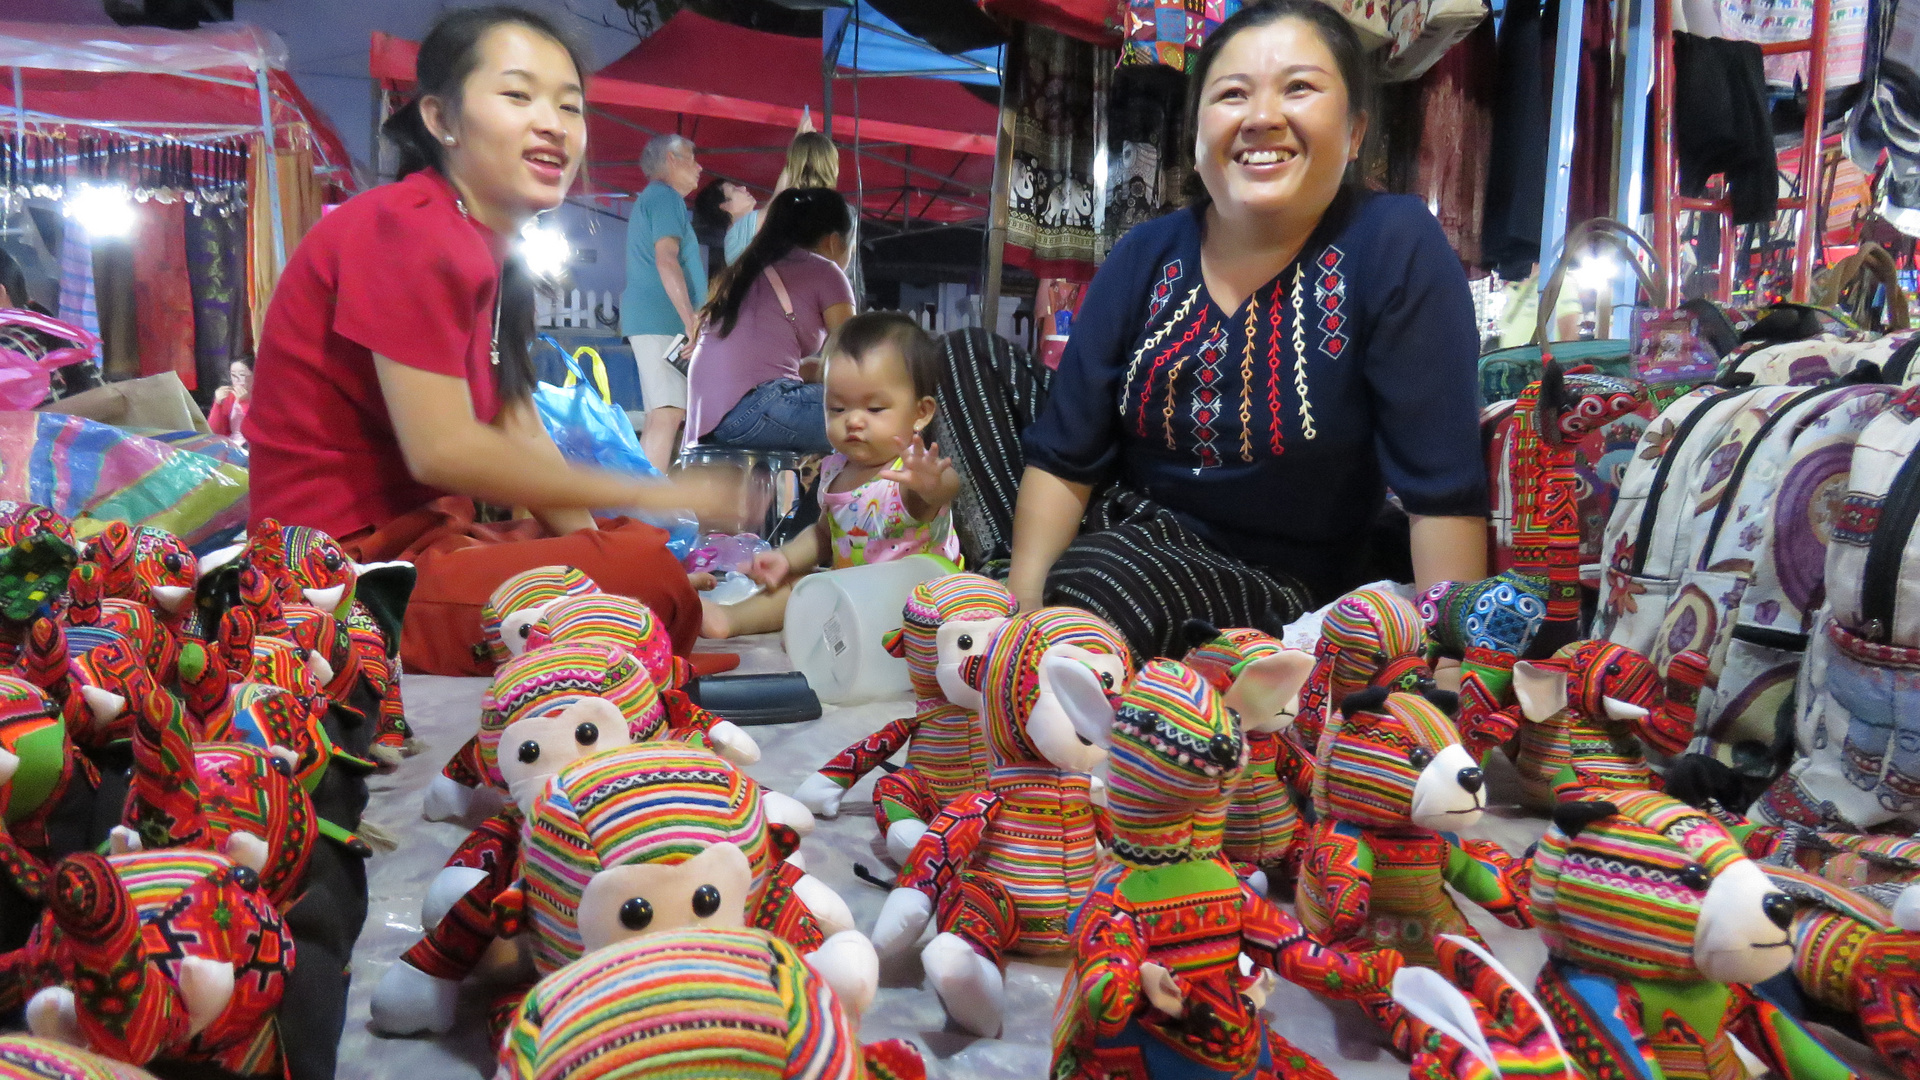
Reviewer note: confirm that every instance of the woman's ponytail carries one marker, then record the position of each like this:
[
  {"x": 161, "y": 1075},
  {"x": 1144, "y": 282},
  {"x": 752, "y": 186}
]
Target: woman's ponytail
[{"x": 407, "y": 130}]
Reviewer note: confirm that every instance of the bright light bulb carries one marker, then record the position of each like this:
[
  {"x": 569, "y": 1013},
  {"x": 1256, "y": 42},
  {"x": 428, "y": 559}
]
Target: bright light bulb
[
  {"x": 103, "y": 210},
  {"x": 1593, "y": 274},
  {"x": 545, "y": 250}
]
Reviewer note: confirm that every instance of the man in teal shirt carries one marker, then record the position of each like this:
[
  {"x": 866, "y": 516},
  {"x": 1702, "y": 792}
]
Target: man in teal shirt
[{"x": 666, "y": 288}]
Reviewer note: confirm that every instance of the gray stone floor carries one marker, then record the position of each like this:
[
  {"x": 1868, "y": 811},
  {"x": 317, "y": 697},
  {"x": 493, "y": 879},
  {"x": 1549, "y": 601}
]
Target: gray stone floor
[{"x": 443, "y": 711}]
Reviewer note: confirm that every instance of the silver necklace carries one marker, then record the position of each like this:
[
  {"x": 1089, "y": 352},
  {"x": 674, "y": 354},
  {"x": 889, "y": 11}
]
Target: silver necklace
[{"x": 493, "y": 348}]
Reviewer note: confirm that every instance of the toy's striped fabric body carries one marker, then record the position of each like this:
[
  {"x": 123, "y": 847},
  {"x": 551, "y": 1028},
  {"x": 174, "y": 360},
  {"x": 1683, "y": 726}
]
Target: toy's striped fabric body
[
  {"x": 610, "y": 619},
  {"x": 1007, "y": 866},
  {"x": 1263, "y": 829},
  {"x": 548, "y": 678},
  {"x": 689, "y": 1005},
  {"x": 1371, "y": 637},
  {"x": 1171, "y": 900}
]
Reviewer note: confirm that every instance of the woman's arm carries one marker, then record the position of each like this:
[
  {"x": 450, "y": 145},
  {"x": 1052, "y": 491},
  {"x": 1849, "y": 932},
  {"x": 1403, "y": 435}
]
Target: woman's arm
[
  {"x": 446, "y": 447},
  {"x": 1045, "y": 520},
  {"x": 1448, "y": 549},
  {"x": 521, "y": 421}
]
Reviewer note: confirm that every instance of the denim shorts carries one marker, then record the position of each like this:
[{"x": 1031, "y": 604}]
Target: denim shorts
[{"x": 779, "y": 414}]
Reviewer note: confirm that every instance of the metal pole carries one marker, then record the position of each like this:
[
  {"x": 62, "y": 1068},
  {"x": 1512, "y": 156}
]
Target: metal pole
[
  {"x": 1666, "y": 236},
  {"x": 1629, "y": 188},
  {"x": 19, "y": 120},
  {"x": 1806, "y": 245},
  {"x": 1566, "y": 94},
  {"x": 1000, "y": 207},
  {"x": 273, "y": 172}
]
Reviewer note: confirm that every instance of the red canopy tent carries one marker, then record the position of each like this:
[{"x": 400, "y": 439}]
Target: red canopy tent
[{"x": 926, "y": 145}]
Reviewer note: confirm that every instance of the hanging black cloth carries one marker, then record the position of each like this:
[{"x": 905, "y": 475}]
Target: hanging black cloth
[
  {"x": 1721, "y": 125},
  {"x": 1517, "y": 171}
]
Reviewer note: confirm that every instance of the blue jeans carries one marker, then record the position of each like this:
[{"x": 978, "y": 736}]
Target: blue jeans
[{"x": 779, "y": 414}]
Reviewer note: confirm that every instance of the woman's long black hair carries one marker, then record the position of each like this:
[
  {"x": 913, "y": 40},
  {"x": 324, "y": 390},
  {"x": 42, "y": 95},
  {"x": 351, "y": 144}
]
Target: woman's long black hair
[
  {"x": 448, "y": 54},
  {"x": 1336, "y": 33},
  {"x": 797, "y": 218}
]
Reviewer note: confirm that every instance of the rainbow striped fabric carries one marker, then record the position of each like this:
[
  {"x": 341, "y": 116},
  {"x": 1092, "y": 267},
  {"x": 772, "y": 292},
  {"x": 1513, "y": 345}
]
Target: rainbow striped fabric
[
  {"x": 1366, "y": 773},
  {"x": 527, "y": 589},
  {"x": 683, "y": 1005},
  {"x": 1263, "y": 824},
  {"x": 1176, "y": 756},
  {"x": 1370, "y": 637},
  {"x": 608, "y": 619},
  {"x": 653, "y": 803},
  {"x": 24, "y": 1057},
  {"x": 931, "y": 604}
]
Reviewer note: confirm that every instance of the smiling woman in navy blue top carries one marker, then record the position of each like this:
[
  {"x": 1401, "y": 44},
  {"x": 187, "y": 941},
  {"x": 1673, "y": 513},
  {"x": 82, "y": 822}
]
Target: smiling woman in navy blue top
[{"x": 1247, "y": 377}]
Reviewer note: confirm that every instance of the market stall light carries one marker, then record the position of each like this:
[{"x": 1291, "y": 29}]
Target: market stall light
[
  {"x": 1593, "y": 274},
  {"x": 545, "y": 250},
  {"x": 103, "y": 210}
]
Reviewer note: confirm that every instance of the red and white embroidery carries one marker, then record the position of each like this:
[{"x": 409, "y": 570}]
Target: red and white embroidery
[{"x": 1206, "y": 401}]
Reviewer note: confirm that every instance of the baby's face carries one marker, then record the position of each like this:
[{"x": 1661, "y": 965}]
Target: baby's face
[{"x": 872, "y": 414}]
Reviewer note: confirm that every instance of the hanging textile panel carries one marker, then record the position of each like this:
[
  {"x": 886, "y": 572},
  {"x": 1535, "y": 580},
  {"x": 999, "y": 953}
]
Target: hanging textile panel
[
  {"x": 217, "y": 272},
  {"x": 162, "y": 294},
  {"x": 301, "y": 195},
  {"x": 1170, "y": 32},
  {"x": 1766, "y": 21},
  {"x": 1439, "y": 139},
  {"x": 1060, "y": 107},
  {"x": 1148, "y": 155},
  {"x": 83, "y": 468},
  {"x": 77, "y": 306}
]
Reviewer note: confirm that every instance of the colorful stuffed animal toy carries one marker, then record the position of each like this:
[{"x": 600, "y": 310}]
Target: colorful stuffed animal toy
[
  {"x": 1487, "y": 625},
  {"x": 1860, "y": 959},
  {"x": 1260, "y": 680},
  {"x": 1002, "y": 869},
  {"x": 159, "y": 956},
  {"x": 506, "y": 620},
  {"x": 37, "y": 556},
  {"x": 28, "y": 1057},
  {"x": 1587, "y": 711},
  {"x": 95, "y": 683},
  {"x": 737, "y": 1003},
  {"x": 610, "y": 619},
  {"x": 148, "y": 566},
  {"x": 1656, "y": 924},
  {"x": 158, "y": 645},
  {"x": 1155, "y": 988},
  {"x": 642, "y": 839},
  {"x": 239, "y": 800},
  {"x": 1370, "y": 637},
  {"x": 946, "y": 622},
  {"x": 1394, "y": 787},
  {"x": 43, "y": 785}
]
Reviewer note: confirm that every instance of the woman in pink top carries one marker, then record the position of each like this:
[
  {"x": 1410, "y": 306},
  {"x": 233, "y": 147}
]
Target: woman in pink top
[{"x": 770, "y": 311}]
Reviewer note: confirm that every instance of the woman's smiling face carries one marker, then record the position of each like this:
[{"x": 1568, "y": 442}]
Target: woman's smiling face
[{"x": 1275, "y": 131}]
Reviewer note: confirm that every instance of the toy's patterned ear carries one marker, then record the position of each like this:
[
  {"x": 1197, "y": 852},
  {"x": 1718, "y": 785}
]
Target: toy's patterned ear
[
  {"x": 1571, "y": 817},
  {"x": 1369, "y": 699},
  {"x": 895, "y": 642}
]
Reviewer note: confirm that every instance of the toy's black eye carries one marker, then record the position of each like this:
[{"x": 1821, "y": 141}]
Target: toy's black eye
[
  {"x": 332, "y": 559},
  {"x": 280, "y": 766},
  {"x": 174, "y": 563},
  {"x": 245, "y": 877},
  {"x": 1694, "y": 876},
  {"x": 529, "y": 752},
  {"x": 965, "y": 642},
  {"x": 1106, "y": 680},
  {"x": 1421, "y": 757},
  {"x": 586, "y": 734},
  {"x": 706, "y": 900},
  {"x": 636, "y": 913},
  {"x": 1235, "y": 714},
  {"x": 525, "y": 629}
]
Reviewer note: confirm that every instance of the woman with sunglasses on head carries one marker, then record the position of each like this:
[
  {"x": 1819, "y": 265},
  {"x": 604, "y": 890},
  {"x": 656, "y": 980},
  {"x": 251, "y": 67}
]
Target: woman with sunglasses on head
[{"x": 394, "y": 373}]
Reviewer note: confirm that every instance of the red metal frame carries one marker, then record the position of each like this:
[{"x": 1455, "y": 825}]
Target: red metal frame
[{"x": 1668, "y": 203}]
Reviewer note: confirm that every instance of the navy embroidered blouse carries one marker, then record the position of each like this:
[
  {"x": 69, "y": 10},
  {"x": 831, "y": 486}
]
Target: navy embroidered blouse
[{"x": 1275, "y": 430}]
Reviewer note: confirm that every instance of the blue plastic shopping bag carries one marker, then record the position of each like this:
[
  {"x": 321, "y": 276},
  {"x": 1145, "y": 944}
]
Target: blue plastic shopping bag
[{"x": 590, "y": 429}]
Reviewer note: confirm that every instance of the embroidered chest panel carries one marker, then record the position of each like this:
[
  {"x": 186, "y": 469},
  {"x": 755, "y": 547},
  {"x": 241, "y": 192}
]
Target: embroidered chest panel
[{"x": 1234, "y": 388}]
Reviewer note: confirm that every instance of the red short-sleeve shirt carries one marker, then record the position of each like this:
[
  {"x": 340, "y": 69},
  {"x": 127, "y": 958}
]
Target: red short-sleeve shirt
[{"x": 401, "y": 271}]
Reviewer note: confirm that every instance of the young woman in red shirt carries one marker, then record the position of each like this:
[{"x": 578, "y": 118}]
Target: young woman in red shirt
[{"x": 394, "y": 377}]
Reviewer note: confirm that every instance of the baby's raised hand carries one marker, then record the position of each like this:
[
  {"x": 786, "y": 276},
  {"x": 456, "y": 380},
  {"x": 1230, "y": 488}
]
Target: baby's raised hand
[
  {"x": 770, "y": 568},
  {"x": 924, "y": 472}
]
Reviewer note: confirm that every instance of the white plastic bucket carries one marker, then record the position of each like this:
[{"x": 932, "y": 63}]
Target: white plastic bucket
[{"x": 835, "y": 621}]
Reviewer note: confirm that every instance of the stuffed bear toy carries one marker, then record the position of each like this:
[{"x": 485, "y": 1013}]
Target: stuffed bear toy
[
  {"x": 1657, "y": 925},
  {"x": 1487, "y": 625},
  {"x": 1587, "y": 713},
  {"x": 1260, "y": 682},
  {"x": 1370, "y": 637},
  {"x": 1858, "y": 959},
  {"x": 945, "y": 622},
  {"x": 29, "y": 1057},
  {"x": 700, "y": 1001},
  {"x": 47, "y": 798},
  {"x": 506, "y": 619},
  {"x": 157, "y": 956},
  {"x": 1155, "y": 988},
  {"x": 1394, "y": 787},
  {"x": 610, "y": 619},
  {"x": 1002, "y": 869}
]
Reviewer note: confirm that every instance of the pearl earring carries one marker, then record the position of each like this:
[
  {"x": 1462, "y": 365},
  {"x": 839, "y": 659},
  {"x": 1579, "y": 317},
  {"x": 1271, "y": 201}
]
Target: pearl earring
[{"x": 448, "y": 139}]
